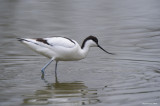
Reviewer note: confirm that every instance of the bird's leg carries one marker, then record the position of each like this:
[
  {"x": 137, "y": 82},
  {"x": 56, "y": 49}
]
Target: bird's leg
[
  {"x": 56, "y": 69},
  {"x": 42, "y": 70},
  {"x": 56, "y": 79}
]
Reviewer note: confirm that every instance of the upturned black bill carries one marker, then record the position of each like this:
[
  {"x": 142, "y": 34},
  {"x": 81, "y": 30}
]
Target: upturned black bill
[{"x": 105, "y": 50}]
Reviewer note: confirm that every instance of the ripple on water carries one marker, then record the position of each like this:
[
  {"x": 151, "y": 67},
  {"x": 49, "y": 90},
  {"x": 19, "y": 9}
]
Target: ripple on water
[{"x": 136, "y": 89}]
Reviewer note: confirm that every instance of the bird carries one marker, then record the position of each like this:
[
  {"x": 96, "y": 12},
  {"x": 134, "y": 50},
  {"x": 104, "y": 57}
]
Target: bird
[{"x": 61, "y": 48}]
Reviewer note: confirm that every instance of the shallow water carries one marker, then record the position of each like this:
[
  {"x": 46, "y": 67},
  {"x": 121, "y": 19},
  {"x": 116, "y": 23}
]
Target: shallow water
[{"x": 128, "y": 28}]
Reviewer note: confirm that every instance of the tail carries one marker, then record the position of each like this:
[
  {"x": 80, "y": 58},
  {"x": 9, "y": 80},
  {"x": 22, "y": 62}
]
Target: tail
[{"x": 29, "y": 42}]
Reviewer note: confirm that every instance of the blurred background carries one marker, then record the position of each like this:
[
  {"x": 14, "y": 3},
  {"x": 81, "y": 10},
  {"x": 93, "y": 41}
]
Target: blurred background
[{"x": 128, "y": 28}]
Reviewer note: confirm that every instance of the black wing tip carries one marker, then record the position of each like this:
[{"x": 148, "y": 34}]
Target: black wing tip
[{"x": 20, "y": 39}]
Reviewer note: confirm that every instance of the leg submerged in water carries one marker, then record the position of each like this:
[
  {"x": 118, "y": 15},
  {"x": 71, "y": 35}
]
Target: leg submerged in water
[
  {"x": 43, "y": 69},
  {"x": 56, "y": 79},
  {"x": 56, "y": 68}
]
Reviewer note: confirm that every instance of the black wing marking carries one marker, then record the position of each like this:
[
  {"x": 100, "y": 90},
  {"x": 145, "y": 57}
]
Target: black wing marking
[{"x": 42, "y": 40}]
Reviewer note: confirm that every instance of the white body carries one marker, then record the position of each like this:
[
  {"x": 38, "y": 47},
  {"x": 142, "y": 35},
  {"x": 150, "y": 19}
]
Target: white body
[{"x": 59, "y": 48}]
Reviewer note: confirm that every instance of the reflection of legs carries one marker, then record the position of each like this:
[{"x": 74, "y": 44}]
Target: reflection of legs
[{"x": 42, "y": 70}]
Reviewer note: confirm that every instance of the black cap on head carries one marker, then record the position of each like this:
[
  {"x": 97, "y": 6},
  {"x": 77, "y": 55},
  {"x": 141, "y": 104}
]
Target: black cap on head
[
  {"x": 96, "y": 41},
  {"x": 89, "y": 38},
  {"x": 92, "y": 38}
]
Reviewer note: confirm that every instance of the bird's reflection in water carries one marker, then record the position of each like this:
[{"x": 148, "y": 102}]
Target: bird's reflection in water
[{"x": 66, "y": 93}]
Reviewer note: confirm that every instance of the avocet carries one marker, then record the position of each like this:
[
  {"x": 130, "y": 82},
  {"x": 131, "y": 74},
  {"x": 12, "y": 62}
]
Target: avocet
[{"x": 61, "y": 48}]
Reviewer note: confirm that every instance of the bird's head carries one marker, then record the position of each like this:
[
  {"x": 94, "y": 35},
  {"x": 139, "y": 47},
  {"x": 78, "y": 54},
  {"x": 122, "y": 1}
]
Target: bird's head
[{"x": 93, "y": 41}]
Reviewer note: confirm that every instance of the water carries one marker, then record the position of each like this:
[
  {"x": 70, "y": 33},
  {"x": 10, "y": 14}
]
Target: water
[{"x": 129, "y": 28}]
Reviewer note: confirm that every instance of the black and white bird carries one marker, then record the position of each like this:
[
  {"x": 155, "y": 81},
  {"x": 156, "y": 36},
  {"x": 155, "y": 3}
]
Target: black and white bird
[{"x": 61, "y": 48}]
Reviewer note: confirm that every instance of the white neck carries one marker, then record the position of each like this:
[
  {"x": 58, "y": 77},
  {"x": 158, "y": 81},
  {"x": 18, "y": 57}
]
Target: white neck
[{"x": 85, "y": 49}]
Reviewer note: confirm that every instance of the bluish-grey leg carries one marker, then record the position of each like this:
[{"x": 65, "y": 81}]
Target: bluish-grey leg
[
  {"x": 42, "y": 70},
  {"x": 56, "y": 67},
  {"x": 56, "y": 72}
]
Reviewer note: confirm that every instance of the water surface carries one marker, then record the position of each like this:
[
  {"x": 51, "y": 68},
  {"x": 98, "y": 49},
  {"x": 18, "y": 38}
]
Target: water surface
[{"x": 129, "y": 28}]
